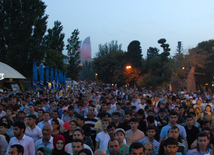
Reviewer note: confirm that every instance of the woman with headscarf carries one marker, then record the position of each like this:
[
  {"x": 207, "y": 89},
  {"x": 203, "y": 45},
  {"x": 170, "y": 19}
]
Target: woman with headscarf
[{"x": 59, "y": 145}]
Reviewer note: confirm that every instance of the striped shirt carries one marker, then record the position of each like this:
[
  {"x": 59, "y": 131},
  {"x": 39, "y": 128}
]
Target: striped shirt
[{"x": 91, "y": 123}]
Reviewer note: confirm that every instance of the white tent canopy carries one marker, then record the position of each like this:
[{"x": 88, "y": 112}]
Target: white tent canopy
[{"x": 9, "y": 72}]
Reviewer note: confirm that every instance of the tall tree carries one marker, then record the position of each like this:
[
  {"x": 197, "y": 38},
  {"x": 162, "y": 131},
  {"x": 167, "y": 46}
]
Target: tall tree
[
  {"x": 74, "y": 68},
  {"x": 54, "y": 44},
  {"x": 152, "y": 52},
  {"x": 54, "y": 38},
  {"x": 23, "y": 25},
  {"x": 87, "y": 72},
  {"x": 108, "y": 48},
  {"x": 134, "y": 55}
]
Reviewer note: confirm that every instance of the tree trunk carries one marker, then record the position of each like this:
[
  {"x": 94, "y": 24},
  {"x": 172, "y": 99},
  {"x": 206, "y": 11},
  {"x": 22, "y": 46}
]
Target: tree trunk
[{"x": 191, "y": 86}]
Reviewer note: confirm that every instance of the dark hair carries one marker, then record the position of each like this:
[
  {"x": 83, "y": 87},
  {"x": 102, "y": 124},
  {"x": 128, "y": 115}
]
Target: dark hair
[
  {"x": 104, "y": 114},
  {"x": 128, "y": 113},
  {"x": 173, "y": 113},
  {"x": 111, "y": 140},
  {"x": 9, "y": 123},
  {"x": 133, "y": 107},
  {"x": 71, "y": 107},
  {"x": 136, "y": 145},
  {"x": 116, "y": 113},
  {"x": 20, "y": 125},
  {"x": 77, "y": 140},
  {"x": 150, "y": 119},
  {"x": 173, "y": 128},
  {"x": 80, "y": 117},
  {"x": 87, "y": 151},
  {"x": 32, "y": 116},
  {"x": 75, "y": 122},
  {"x": 171, "y": 141},
  {"x": 80, "y": 130},
  {"x": 57, "y": 122},
  {"x": 47, "y": 113},
  {"x": 41, "y": 110},
  {"x": 188, "y": 116},
  {"x": 3, "y": 124},
  {"x": 111, "y": 125},
  {"x": 133, "y": 120},
  {"x": 150, "y": 128},
  {"x": 202, "y": 134},
  {"x": 20, "y": 148}
]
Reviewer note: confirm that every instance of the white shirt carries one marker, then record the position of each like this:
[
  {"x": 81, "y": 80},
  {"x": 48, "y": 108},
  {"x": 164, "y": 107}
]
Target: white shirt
[
  {"x": 68, "y": 148},
  {"x": 101, "y": 137},
  {"x": 39, "y": 143},
  {"x": 41, "y": 124},
  {"x": 26, "y": 142},
  {"x": 3, "y": 113},
  {"x": 36, "y": 133}
]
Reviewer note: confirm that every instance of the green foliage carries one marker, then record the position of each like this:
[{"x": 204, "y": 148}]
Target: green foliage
[
  {"x": 54, "y": 59},
  {"x": 110, "y": 66},
  {"x": 54, "y": 38},
  {"x": 108, "y": 48},
  {"x": 134, "y": 55},
  {"x": 152, "y": 52},
  {"x": 164, "y": 45},
  {"x": 74, "y": 68},
  {"x": 54, "y": 46},
  {"x": 23, "y": 25},
  {"x": 87, "y": 72}
]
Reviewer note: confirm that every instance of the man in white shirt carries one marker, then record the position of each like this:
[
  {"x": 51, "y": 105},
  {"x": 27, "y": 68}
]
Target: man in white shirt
[
  {"x": 47, "y": 140},
  {"x": 56, "y": 116},
  {"x": 102, "y": 136},
  {"x": 33, "y": 130},
  {"x": 22, "y": 139}
]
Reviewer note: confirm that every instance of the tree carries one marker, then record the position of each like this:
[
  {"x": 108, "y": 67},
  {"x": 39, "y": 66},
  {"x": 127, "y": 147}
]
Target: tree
[
  {"x": 108, "y": 48},
  {"x": 87, "y": 72},
  {"x": 23, "y": 25},
  {"x": 74, "y": 68},
  {"x": 134, "y": 55},
  {"x": 54, "y": 38},
  {"x": 109, "y": 63},
  {"x": 152, "y": 52},
  {"x": 54, "y": 44},
  {"x": 165, "y": 46}
]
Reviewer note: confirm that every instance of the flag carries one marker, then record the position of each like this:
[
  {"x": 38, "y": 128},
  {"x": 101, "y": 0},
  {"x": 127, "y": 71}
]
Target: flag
[
  {"x": 41, "y": 73},
  {"x": 34, "y": 76},
  {"x": 52, "y": 83},
  {"x": 47, "y": 76}
]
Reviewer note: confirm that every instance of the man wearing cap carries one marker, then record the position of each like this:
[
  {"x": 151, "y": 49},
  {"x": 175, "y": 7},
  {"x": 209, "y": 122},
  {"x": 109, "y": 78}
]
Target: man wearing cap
[
  {"x": 2, "y": 112},
  {"x": 120, "y": 136}
]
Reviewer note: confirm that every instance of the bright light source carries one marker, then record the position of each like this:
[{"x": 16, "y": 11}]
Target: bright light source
[
  {"x": 183, "y": 67},
  {"x": 1, "y": 76},
  {"x": 128, "y": 67}
]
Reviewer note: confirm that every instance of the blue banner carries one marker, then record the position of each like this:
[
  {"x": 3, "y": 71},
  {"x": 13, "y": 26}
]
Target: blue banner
[
  {"x": 47, "y": 77},
  {"x": 41, "y": 73},
  {"x": 52, "y": 84},
  {"x": 34, "y": 76},
  {"x": 64, "y": 79},
  {"x": 56, "y": 83}
]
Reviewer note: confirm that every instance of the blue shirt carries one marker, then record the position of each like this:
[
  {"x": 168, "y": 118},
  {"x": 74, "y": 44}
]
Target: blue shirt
[{"x": 166, "y": 128}]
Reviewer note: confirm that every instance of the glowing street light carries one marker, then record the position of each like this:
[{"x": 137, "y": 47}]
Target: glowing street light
[
  {"x": 128, "y": 67},
  {"x": 183, "y": 67},
  {"x": 96, "y": 74}
]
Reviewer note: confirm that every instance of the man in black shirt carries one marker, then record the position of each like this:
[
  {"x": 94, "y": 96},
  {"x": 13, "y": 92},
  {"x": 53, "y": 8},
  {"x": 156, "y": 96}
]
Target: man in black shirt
[{"x": 191, "y": 130}]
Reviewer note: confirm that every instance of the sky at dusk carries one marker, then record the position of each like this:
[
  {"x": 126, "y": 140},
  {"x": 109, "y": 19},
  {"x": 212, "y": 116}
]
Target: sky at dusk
[{"x": 189, "y": 21}]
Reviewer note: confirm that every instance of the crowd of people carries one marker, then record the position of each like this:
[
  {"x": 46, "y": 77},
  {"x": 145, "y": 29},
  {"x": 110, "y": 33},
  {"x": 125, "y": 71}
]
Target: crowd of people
[{"x": 92, "y": 120}]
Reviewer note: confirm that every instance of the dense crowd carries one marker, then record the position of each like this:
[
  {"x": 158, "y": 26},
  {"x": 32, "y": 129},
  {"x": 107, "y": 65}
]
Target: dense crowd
[{"x": 92, "y": 120}]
